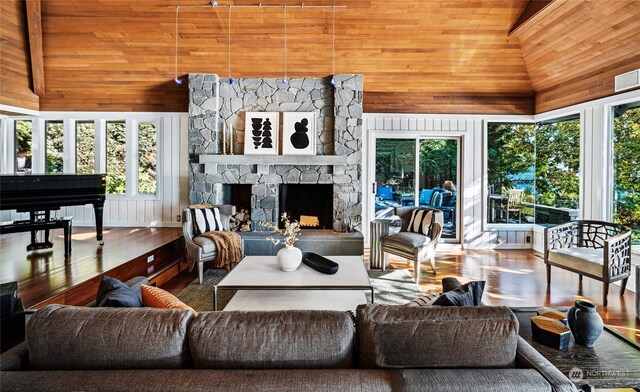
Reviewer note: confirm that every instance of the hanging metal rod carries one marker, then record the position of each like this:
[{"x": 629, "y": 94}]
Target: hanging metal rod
[{"x": 259, "y": 5}]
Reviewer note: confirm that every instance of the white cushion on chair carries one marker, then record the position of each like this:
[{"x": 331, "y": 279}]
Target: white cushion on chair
[
  {"x": 207, "y": 244},
  {"x": 587, "y": 260},
  {"x": 206, "y": 219},
  {"x": 420, "y": 222}
]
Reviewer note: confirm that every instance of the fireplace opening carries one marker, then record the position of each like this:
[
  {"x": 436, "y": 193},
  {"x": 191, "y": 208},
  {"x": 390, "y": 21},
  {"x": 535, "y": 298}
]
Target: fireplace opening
[
  {"x": 309, "y": 204},
  {"x": 239, "y": 195}
]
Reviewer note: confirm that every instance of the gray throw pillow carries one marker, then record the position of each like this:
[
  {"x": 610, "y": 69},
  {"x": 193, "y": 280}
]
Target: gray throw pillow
[{"x": 469, "y": 294}]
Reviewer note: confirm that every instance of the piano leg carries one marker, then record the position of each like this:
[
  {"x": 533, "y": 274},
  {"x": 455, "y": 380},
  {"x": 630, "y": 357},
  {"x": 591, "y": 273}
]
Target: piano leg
[
  {"x": 67, "y": 238},
  {"x": 99, "y": 210}
]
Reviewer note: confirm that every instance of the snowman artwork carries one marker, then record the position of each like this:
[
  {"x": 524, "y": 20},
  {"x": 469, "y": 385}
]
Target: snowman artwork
[
  {"x": 299, "y": 136},
  {"x": 299, "y": 139}
]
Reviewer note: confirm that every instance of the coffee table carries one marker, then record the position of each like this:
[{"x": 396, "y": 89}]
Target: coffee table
[
  {"x": 613, "y": 362},
  {"x": 266, "y": 284}
]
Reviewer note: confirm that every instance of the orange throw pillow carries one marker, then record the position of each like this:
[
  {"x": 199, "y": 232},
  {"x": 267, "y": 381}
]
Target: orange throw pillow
[{"x": 154, "y": 297}]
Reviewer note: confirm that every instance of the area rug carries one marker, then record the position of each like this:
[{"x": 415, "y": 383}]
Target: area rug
[{"x": 391, "y": 287}]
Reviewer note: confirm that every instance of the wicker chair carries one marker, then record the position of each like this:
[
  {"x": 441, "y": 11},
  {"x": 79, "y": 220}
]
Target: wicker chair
[
  {"x": 413, "y": 246},
  {"x": 599, "y": 250}
]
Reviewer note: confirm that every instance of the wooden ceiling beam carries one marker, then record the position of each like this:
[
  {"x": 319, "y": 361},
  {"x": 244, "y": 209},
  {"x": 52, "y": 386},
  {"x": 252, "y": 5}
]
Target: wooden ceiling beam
[
  {"x": 533, "y": 8},
  {"x": 34, "y": 23}
]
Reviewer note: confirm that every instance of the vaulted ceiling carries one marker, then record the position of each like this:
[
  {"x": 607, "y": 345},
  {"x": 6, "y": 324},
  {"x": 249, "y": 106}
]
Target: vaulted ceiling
[{"x": 416, "y": 56}]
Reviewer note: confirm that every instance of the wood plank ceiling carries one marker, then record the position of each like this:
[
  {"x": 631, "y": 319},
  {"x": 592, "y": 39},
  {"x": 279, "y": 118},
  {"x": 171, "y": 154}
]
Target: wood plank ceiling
[
  {"x": 417, "y": 56},
  {"x": 449, "y": 56}
]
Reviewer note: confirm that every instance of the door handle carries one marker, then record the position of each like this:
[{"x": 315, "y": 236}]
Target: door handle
[{"x": 373, "y": 188}]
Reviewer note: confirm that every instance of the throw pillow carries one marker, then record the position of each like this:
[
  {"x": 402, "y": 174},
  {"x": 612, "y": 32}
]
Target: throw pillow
[
  {"x": 206, "y": 219},
  {"x": 114, "y": 293},
  {"x": 425, "y": 300},
  {"x": 436, "y": 199},
  {"x": 469, "y": 294},
  {"x": 420, "y": 222},
  {"x": 154, "y": 297}
]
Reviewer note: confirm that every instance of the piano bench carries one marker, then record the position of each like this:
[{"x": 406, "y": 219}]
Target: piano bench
[{"x": 26, "y": 225}]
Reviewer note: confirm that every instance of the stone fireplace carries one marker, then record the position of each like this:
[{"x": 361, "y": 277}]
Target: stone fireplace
[
  {"x": 313, "y": 201},
  {"x": 215, "y": 104}
]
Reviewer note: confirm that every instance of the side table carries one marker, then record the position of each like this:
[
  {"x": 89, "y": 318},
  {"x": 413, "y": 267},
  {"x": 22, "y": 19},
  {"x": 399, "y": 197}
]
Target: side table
[{"x": 378, "y": 228}]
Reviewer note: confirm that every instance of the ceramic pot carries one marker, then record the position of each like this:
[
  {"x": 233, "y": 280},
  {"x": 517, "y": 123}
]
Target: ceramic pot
[
  {"x": 585, "y": 323},
  {"x": 289, "y": 258}
]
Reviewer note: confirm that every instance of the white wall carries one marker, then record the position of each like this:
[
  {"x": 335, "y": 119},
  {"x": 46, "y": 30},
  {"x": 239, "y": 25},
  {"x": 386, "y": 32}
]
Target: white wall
[{"x": 131, "y": 209}]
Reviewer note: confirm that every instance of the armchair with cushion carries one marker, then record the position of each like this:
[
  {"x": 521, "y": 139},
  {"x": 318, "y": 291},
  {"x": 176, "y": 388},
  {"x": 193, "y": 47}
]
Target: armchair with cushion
[
  {"x": 198, "y": 248},
  {"x": 412, "y": 245},
  {"x": 599, "y": 250}
]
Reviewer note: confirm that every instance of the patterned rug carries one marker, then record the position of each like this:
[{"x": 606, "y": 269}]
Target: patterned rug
[{"x": 391, "y": 287}]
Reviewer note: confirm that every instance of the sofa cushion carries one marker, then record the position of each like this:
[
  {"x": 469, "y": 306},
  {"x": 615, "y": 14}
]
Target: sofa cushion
[
  {"x": 67, "y": 337},
  {"x": 456, "y": 380},
  {"x": 272, "y": 340},
  {"x": 420, "y": 222},
  {"x": 468, "y": 294},
  {"x": 587, "y": 260},
  {"x": 192, "y": 380},
  {"x": 436, "y": 337},
  {"x": 155, "y": 297},
  {"x": 114, "y": 293},
  {"x": 405, "y": 241}
]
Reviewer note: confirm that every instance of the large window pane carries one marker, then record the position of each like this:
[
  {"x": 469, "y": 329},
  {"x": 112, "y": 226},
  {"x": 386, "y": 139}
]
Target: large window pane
[
  {"x": 395, "y": 166},
  {"x": 54, "y": 146},
  {"x": 116, "y": 152},
  {"x": 557, "y": 168},
  {"x": 85, "y": 147},
  {"x": 626, "y": 163},
  {"x": 511, "y": 173},
  {"x": 23, "y": 137},
  {"x": 147, "y": 155}
]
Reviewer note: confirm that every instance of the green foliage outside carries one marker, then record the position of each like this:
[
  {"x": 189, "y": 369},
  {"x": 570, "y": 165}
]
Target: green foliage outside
[
  {"x": 23, "y": 137},
  {"x": 85, "y": 147},
  {"x": 55, "y": 146},
  {"x": 543, "y": 159},
  {"x": 395, "y": 163},
  {"x": 438, "y": 162},
  {"x": 626, "y": 144},
  {"x": 147, "y": 158},
  {"x": 116, "y": 152}
]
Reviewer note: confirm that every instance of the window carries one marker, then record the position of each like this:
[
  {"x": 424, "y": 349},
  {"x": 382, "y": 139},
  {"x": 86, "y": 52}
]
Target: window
[
  {"x": 147, "y": 158},
  {"x": 116, "y": 153},
  {"x": 626, "y": 161},
  {"x": 533, "y": 172},
  {"x": 85, "y": 147},
  {"x": 23, "y": 137},
  {"x": 54, "y": 142}
]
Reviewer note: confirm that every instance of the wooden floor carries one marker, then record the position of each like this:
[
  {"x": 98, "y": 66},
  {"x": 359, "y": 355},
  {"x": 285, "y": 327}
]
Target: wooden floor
[{"x": 46, "y": 273}]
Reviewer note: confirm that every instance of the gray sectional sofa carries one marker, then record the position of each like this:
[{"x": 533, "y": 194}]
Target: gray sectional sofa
[{"x": 385, "y": 348}]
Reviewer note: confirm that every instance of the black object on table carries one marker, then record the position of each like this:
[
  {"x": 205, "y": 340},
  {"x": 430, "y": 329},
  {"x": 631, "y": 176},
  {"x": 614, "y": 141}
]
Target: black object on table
[
  {"x": 613, "y": 362},
  {"x": 320, "y": 263}
]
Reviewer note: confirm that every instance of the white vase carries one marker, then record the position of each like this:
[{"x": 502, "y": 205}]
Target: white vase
[{"x": 289, "y": 258}]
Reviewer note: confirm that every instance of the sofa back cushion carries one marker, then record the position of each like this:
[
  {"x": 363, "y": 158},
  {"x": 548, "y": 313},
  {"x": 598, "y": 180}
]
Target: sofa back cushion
[
  {"x": 79, "y": 338},
  {"x": 293, "y": 339},
  {"x": 436, "y": 337}
]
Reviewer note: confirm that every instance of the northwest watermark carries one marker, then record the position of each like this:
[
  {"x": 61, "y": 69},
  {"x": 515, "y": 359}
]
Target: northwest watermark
[{"x": 577, "y": 374}]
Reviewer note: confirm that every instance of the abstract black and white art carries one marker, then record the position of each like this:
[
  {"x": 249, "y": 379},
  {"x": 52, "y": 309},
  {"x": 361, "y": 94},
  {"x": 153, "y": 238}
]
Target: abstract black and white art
[
  {"x": 261, "y": 133},
  {"x": 299, "y": 133}
]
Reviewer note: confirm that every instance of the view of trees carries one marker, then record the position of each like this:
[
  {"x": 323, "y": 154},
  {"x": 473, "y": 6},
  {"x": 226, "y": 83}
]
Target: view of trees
[
  {"x": 438, "y": 162},
  {"x": 543, "y": 159},
  {"x": 116, "y": 153},
  {"x": 85, "y": 147},
  {"x": 24, "y": 130},
  {"x": 147, "y": 156},
  {"x": 626, "y": 144},
  {"x": 54, "y": 146}
]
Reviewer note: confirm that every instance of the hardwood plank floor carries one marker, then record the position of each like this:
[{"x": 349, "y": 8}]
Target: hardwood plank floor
[{"x": 46, "y": 273}]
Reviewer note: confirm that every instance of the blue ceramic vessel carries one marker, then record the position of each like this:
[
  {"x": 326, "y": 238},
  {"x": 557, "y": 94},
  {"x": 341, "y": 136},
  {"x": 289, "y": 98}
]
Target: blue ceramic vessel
[{"x": 585, "y": 323}]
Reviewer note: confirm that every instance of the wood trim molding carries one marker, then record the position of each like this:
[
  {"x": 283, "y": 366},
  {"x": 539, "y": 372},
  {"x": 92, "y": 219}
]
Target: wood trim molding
[{"x": 34, "y": 23}]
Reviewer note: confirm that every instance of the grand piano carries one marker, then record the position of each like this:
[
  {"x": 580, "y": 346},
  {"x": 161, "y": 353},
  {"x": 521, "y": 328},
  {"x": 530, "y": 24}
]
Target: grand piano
[{"x": 39, "y": 194}]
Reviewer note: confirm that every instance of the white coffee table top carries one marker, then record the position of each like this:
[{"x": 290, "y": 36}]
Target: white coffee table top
[{"x": 264, "y": 273}]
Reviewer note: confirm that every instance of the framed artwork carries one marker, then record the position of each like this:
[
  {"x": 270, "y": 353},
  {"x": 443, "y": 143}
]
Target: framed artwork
[
  {"x": 299, "y": 133},
  {"x": 261, "y": 133}
]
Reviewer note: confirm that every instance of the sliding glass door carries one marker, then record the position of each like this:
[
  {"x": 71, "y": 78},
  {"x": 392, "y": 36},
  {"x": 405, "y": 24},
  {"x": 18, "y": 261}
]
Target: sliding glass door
[{"x": 418, "y": 171}]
